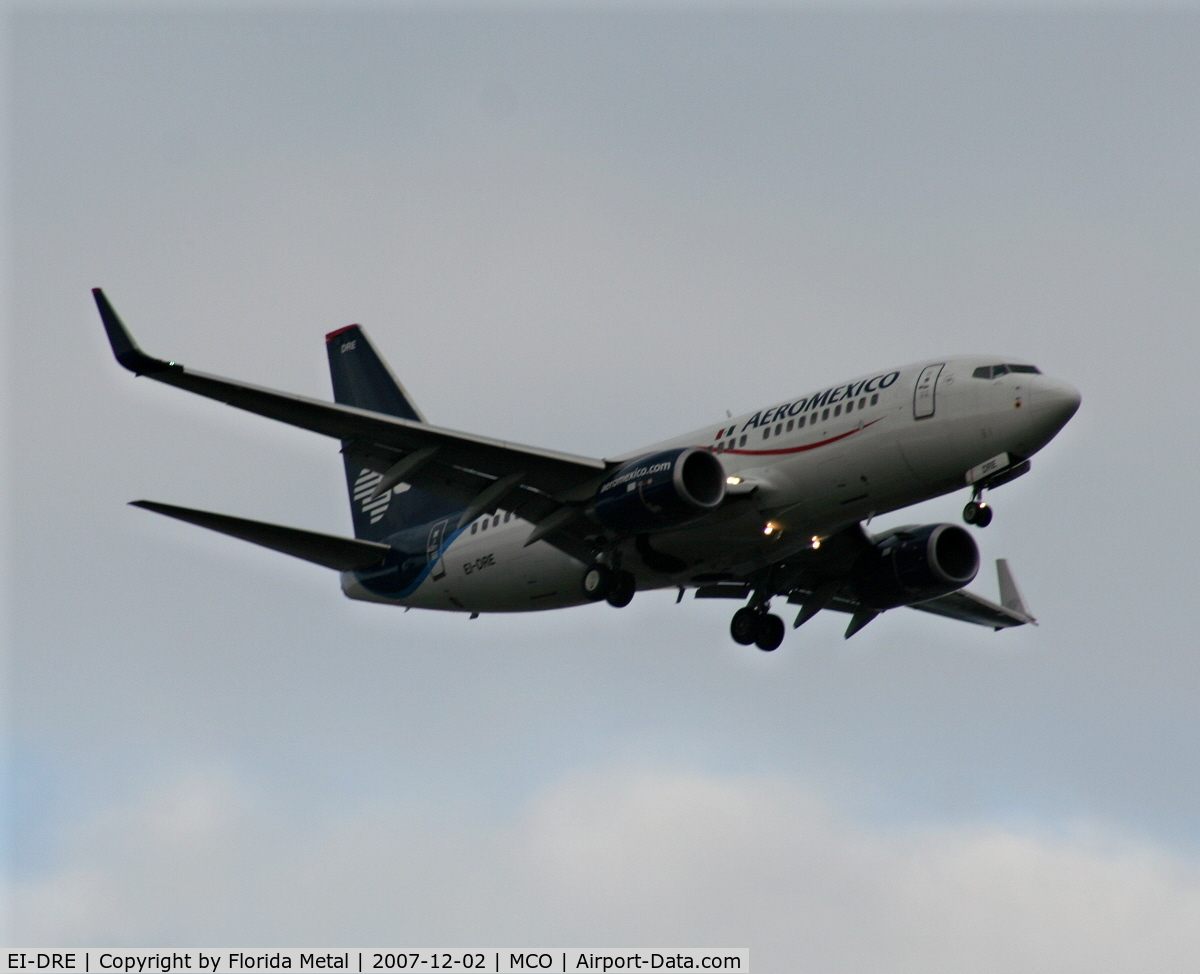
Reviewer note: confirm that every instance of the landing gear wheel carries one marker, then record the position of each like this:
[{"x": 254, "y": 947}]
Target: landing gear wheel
[
  {"x": 768, "y": 633},
  {"x": 977, "y": 513},
  {"x": 620, "y": 593},
  {"x": 597, "y": 582},
  {"x": 744, "y": 626}
]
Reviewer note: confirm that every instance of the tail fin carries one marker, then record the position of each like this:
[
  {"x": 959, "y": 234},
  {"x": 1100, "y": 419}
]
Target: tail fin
[{"x": 361, "y": 378}]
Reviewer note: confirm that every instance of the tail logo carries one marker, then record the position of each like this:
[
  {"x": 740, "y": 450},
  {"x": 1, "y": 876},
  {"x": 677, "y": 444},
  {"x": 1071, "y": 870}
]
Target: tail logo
[{"x": 374, "y": 508}]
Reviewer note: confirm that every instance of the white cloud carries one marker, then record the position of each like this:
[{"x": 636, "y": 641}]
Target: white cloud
[{"x": 623, "y": 858}]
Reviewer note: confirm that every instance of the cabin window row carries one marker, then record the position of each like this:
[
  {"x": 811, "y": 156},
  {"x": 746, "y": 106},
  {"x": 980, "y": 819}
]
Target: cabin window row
[
  {"x": 817, "y": 415},
  {"x": 482, "y": 524}
]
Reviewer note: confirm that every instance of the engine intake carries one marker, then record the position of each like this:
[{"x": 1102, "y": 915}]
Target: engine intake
[
  {"x": 915, "y": 564},
  {"x": 660, "y": 491}
]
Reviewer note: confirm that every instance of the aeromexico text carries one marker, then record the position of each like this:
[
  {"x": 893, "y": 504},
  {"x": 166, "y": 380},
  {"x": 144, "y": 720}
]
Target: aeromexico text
[{"x": 827, "y": 398}]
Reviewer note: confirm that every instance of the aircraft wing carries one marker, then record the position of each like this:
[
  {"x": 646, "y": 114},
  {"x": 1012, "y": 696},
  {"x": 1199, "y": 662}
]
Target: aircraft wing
[
  {"x": 961, "y": 605},
  {"x": 461, "y": 467},
  {"x": 969, "y": 607}
]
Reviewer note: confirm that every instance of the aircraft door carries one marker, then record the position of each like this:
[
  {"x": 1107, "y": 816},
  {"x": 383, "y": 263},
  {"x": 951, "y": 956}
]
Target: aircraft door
[
  {"x": 925, "y": 393},
  {"x": 437, "y": 532}
]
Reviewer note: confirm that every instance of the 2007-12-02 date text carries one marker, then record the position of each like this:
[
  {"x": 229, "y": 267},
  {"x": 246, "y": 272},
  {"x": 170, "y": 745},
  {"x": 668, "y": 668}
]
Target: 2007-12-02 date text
[{"x": 433, "y": 962}]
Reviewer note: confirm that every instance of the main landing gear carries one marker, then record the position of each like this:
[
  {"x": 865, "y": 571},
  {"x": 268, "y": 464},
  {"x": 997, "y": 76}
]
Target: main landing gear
[
  {"x": 753, "y": 624},
  {"x": 978, "y": 513},
  {"x": 613, "y": 585}
]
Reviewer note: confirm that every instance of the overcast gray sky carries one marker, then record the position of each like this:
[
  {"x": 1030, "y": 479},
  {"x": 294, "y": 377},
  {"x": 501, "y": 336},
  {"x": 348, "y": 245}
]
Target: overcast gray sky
[{"x": 589, "y": 231}]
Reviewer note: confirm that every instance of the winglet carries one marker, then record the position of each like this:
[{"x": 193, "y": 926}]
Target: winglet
[
  {"x": 123, "y": 345},
  {"x": 1010, "y": 595}
]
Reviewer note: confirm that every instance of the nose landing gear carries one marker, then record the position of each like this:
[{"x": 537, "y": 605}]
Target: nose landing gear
[
  {"x": 978, "y": 513},
  {"x": 753, "y": 624},
  {"x": 1010, "y": 468}
]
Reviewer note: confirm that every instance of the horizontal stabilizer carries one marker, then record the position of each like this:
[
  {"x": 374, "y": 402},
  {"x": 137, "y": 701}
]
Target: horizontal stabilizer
[{"x": 342, "y": 554}]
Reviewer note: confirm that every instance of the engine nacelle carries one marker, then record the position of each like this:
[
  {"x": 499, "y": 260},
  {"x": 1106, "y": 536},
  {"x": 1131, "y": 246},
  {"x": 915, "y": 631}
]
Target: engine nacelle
[
  {"x": 914, "y": 564},
  {"x": 660, "y": 491}
]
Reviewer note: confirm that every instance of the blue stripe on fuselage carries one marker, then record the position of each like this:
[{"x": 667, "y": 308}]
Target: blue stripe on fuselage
[{"x": 404, "y": 570}]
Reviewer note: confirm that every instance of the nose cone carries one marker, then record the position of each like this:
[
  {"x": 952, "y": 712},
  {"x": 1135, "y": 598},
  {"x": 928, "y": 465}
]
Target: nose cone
[
  {"x": 1056, "y": 400},
  {"x": 1051, "y": 405}
]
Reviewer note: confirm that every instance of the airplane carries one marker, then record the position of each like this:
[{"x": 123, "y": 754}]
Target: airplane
[{"x": 763, "y": 506}]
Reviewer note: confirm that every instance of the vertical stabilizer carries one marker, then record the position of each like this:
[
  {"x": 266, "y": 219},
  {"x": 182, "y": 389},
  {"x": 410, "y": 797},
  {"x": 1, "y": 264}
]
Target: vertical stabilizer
[{"x": 361, "y": 378}]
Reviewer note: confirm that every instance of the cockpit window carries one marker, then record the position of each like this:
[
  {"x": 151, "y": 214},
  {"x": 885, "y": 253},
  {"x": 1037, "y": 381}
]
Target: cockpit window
[{"x": 995, "y": 371}]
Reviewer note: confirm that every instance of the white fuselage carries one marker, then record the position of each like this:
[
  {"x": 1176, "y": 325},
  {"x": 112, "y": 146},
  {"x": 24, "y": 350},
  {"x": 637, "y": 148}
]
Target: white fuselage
[{"x": 808, "y": 466}]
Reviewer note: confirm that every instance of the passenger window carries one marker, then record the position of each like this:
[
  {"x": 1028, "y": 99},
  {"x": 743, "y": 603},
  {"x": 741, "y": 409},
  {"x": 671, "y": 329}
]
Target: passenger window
[
  {"x": 778, "y": 428},
  {"x": 850, "y": 406},
  {"x": 824, "y": 413},
  {"x": 507, "y": 515},
  {"x": 875, "y": 399},
  {"x": 837, "y": 410},
  {"x": 862, "y": 403},
  {"x": 496, "y": 521},
  {"x": 800, "y": 423},
  {"x": 483, "y": 524},
  {"x": 766, "y": 432},
  {"x": 790, "y": 421},
  {"x": 742, "y": 441},
  {"x": 474, "y": 527}
]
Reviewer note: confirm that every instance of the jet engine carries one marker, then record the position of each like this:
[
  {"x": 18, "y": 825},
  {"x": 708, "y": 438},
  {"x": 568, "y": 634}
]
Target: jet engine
[
  {"x": 660, "y": 491},
  {"x": 913, "y": 564}
]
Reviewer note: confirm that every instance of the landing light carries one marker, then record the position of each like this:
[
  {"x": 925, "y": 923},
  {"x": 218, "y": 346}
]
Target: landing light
[
  {"x": 816, "y": 542},
  {"x": 733, "y": 481},
  {"x": 772, "y": 528}
]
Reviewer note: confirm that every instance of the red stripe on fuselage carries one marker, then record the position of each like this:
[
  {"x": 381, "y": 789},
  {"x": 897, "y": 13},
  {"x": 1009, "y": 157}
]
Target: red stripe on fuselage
[{"x": 805, "y": 448}]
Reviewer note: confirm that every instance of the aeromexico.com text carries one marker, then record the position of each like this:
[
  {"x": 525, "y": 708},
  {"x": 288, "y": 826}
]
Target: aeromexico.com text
[
  {"x": 827, "y": 398},
  {"x": 645, "y": 471}
]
